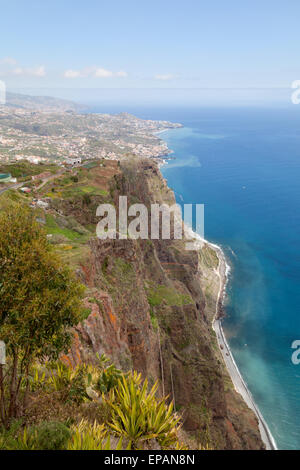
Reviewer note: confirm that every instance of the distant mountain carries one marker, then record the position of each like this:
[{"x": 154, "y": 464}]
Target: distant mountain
[{"x": 42, "y": 103}]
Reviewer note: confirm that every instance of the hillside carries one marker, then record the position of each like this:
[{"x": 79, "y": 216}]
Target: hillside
[
  {"x": 41, "y": 103},
  {"x": 149, "y": 304}
]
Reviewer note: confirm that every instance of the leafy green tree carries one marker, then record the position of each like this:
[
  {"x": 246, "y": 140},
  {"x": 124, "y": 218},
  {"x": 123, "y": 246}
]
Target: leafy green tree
[{"x": 40, "y": 301}]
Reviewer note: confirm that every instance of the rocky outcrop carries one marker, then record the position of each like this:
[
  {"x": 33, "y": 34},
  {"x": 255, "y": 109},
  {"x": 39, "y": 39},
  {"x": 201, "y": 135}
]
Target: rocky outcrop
[{"x": 151, "y": 306}]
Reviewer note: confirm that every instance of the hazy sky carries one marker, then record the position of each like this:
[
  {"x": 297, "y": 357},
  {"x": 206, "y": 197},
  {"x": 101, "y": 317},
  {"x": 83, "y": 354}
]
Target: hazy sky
[{"x": 149, "y": 43}]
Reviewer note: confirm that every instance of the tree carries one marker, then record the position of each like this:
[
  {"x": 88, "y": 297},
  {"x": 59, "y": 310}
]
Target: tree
[{"x": 40, "y": 299}]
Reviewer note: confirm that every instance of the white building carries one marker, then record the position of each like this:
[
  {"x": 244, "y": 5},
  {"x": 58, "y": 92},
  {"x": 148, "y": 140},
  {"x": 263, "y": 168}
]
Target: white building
[{"x": 73, "y": 161}]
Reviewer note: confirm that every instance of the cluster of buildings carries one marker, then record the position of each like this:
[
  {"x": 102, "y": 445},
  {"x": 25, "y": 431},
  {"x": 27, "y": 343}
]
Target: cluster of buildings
[
  {"x": 73, "y": 161},
  {"x": 64, "y": 138},
  {"x": 150, "y": 151},
  {"x": 30, "y": 158}
]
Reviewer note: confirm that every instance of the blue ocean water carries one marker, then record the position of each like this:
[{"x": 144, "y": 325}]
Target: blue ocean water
[{"x": 244, "y": 165}]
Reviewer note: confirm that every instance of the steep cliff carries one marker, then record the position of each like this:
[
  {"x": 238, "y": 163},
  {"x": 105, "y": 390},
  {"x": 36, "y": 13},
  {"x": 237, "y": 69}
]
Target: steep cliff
[{"x": 150, "y": 304}]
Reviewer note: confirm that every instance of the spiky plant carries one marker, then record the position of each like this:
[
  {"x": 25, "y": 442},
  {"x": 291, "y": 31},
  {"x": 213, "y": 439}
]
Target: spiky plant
[
  {"x": 139, "y": 416},
  {"x": 88, "y": 436}
]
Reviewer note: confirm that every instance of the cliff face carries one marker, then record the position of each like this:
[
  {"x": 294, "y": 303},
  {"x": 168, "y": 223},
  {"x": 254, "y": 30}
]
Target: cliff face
[{"x": 151, "y": 306}]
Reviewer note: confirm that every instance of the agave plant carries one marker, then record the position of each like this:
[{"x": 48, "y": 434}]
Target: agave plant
[
  {"x": 38, "y": 379},
  {"x": 102, "y": 361},
  {"x": 25, "y": 442},
  {"x": 88, "y": 436},
  {"x": 108, "y": 379},
  {"x": 62, "y": 376},
  {"x": 139, "y": 416}
]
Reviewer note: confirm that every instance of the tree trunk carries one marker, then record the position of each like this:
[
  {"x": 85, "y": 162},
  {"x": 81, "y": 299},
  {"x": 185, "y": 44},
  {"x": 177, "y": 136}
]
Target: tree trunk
[
  {"x": 2, "y": 407},
  {"x": 25, "y": 399},
  {"x": 12, "y": 412}
]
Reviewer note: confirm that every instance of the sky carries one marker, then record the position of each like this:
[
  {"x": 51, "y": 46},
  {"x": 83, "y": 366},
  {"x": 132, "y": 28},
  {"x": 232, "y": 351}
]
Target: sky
[{"x": 149, "y": 44}]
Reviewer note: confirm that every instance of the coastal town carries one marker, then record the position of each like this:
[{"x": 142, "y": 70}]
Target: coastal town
[{"x": 70, "y": 137}]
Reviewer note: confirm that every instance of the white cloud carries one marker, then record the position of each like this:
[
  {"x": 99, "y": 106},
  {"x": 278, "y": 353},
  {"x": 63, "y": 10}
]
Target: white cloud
[
  {"x": 8, "y": 61},
  {"x": 164, "y": 77},
  {"x": 96, "y": 72},
  {"x": 72, "y": 74},
  {"x": 10, "y": 67},
  {"x": 38, "y": 71},
  {"x": 102, "y": 73}
]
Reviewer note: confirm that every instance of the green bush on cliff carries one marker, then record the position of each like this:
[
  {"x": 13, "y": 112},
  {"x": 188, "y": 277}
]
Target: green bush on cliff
[
  {"x": 37, "y": 311},
  {"x": 162, "y": 294},
  {"x": 153, "y": 318}
]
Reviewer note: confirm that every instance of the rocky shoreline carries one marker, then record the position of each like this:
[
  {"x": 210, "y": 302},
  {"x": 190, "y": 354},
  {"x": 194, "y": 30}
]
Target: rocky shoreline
[{"x": 236, "y": 377}]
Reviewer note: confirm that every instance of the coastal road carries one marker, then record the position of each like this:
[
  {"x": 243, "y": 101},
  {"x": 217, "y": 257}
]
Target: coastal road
[
  {"x": 50, "y": 178},
  {"x": 238, "y": 381},
  {"x": 19, "y": 185},
  {"x": 14, "y": 186},
  {"x": 241, "y": 387}
]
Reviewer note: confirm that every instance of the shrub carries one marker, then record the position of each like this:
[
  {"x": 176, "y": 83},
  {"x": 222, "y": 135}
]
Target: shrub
[
  {"x": 8, "y": 437},
  {"x": 45, "y": 436},
  {"x": 71, "y": 382},
  {"x": 49, "y": 436},
  {"x": 77, "y": 390}
]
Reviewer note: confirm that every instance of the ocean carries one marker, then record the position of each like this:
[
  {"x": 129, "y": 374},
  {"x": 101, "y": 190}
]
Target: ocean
[{"x": 244, "y": 165}]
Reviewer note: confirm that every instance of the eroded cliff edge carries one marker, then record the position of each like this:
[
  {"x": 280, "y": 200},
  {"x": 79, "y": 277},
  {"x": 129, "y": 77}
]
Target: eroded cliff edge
[{"x": 151, "y": 305}]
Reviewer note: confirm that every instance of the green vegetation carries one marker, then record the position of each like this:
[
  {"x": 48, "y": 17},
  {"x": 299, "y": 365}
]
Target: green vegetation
[
  {"x": 139, "y": 416},
  {"x": 72, "y": 254},
  {"x": 162, "y": 294},
  {"x": 52, "y": 227},
  {"x": 90, "y": 165},
  {"x": 108, "y": 379},
  {"x": 87, "y": 436},
  {"x": 40, "y": 300},
  {"x": 23, "y": 169},
  {"x": 74, "y": 185},
  {"x": 208, "y": 257},
  {"x": 85, "y": 313},
  {"x": 74, "y": 191},
  {"x": 154, "y": 320},
  {"x": 11, "y": 195},
  {"x": 120, "y": 280},
  {"x": 123, "y": 268},
  {"x": 108, "y": 410},
  {"x": 50, "y": 435},
  {"x": 119, "y": 272}
]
